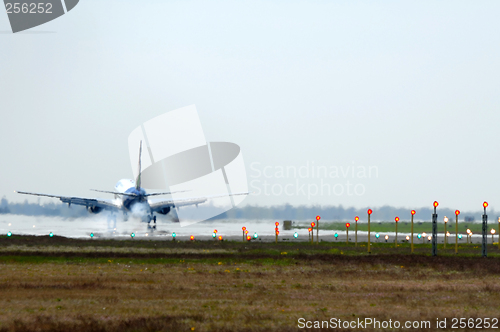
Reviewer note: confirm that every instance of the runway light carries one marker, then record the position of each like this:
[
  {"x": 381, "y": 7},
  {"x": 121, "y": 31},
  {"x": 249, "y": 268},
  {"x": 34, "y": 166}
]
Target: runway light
[
  {"x": 214, "y": 235},
  {"x": 9, "y": 234},
  {"x": 447, "y": 233},
  {"x": 255, "y": 235},
  {"x": 295, "y": 235},
  {"x": 220, "y": 237},
  {"x": 485, "y": 205},
  {"x": 419, "y": 236},
  {"x": 309, "y": 229},
  {"x": 386, "y": 238},
  {"x": 174, "y": 235},
  {"x": 318, "y": 217},
  {"x": 377, "y": 235},
  {"x": 397, "y": 219},
  {"x": 347, "y": 225},
  {"x": 356, "y": 218},
  {"x": 413, "y": 212},
  {"x": 457, "y": 212},
  {"x": 192, "y": 237},
  {"x": 445, "y": 219},
  {"x": 132, "y": 235},
  {"x": 249, "y": 238},
  {"x": 460, "y": 236},
  {"x": 429, "y": 238},
  {"x": 492, "y": 231},
  {"x": 91, "y": 235},
  {"x": 468, "y": 231},
  {"x": 51, "y": 234},
  {"x": 243, "y": 228},
  {"x": 370, "y": 211},
  {"x": 277, "y": 232},
  {"x": 246, "y": 232},
  {"x": 436, "y": 204},
  {"x": 336, "y": 236},
  {"x": 277, "y": 224},
  {"x": 313, "y": 224},
  {"x": 407, "y": 238},
  {"x": 215, "y": 231}
]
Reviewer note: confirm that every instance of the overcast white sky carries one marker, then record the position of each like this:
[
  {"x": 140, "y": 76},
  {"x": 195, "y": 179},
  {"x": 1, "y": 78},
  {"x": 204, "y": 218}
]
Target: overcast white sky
[{"x": 410, "y": 87}]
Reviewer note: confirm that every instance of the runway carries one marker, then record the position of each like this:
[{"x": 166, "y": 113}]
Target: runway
[{"x": 228, "y": 229}]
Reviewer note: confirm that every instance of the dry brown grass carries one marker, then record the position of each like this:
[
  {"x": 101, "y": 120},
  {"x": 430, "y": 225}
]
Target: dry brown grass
[
  {"x": 191, "y": 291},
  {"x": 213, "y": 297}
]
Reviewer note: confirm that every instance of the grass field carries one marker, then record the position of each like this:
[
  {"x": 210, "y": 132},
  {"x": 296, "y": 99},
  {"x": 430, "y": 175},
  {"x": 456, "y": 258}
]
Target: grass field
[
  {"x": 58, "y": 284},
  {"x": 405, "y": 226}
]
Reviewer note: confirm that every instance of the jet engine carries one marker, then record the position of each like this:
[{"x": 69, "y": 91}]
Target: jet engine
[
  {"x": 164, "y": 210},
  {"x": 95, "y": 209}
]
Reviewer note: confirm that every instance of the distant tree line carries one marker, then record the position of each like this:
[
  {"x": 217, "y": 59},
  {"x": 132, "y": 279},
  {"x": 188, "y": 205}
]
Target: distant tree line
[
  {"x": 280, "y": 212},
  {"x": 48, "y": 209}
]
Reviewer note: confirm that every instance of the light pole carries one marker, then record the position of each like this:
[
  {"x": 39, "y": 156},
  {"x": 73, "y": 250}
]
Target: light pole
[
  {"x": 396, "y": 240},
  {"x": 434, "y": 229},
  {"x": 445, "y": 219},
  {"x": 412, "y": 214},
  {"x": 499, "y": 232},
  {"x": 356, "y": 231},
  {"x": 312, "y": 233},
  {"x": 347, "y": 225},
  {"x": 317, "y": 229},
  {"x": 369, "y": 214},
  {"x": 457, "y": 212},
  {"x": 485, "y": 227}
]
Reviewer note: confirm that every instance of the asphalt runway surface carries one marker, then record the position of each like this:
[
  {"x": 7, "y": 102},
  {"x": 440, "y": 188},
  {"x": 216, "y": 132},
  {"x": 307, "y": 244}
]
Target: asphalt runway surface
[{"x": 228, "y": 229}]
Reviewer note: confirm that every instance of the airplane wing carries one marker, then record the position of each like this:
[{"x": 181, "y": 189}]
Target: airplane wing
[
  {"x": 108, "y": 204},
  {"x": 157, "y": 205}
]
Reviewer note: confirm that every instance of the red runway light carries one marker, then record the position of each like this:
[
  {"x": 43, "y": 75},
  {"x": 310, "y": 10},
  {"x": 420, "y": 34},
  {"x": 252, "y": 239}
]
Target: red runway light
[
  {"x": 191, "y": 238},
  {"x": 356, "y": 218},
  {"x": 249, "y": 238},
  {"x": 277, "y": 232},
  {"x": 215, "y": 231},
  {"x": 313, "y": 224},
  {"x": 220, "y": 238},
  {"x": 413, "y": 212},
  {"x": 485, "y": 205},
  {"x": 244, "y": 228},
  {"x": 370, "y": 211},
  {"x": 457, "y": 212},
  {"x": 436, "y": 204},
  {"x": 397, "y": 219},
  {"x": 347, "y": 225},
  {"x": 309, "y": 229},
  {"x": 246, "y": 232},
  {"x": 318, "y": 217}
]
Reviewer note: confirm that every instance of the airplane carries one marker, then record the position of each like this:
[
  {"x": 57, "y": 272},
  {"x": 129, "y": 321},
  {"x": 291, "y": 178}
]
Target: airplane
[{"x": 131, "y": 198}]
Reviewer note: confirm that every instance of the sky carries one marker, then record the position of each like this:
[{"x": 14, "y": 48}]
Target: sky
[{"x": 358, "y": 103}]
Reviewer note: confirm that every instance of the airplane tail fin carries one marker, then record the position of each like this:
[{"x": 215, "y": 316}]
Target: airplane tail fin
[{"x": 138, "y": 180}]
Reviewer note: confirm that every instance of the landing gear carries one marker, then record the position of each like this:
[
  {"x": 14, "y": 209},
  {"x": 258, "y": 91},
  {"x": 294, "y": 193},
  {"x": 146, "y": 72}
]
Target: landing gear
[
  {"x": 152, "y": 217},
  {"x": 111, "y": 220}
]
